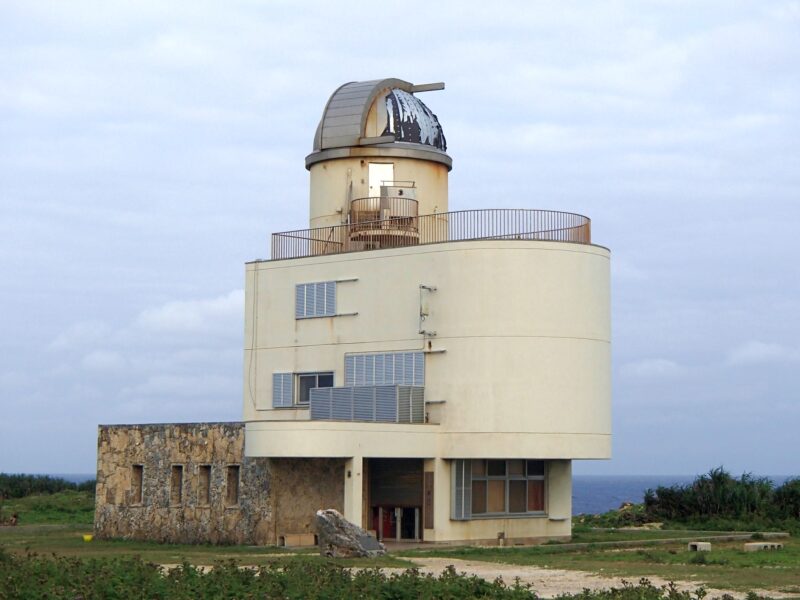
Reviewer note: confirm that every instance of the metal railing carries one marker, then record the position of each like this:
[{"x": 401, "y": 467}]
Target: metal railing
[
  {"x": 486, "y": 224},
  {"x": 369, "y": 403},
  {"x": 377, "y": 208}
]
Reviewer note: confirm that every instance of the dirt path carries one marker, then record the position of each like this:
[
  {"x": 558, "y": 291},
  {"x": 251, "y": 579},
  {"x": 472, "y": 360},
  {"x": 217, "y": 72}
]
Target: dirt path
[{"x": 549, "y": 583}]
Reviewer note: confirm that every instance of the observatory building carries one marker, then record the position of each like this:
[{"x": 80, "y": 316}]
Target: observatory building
[{"x": 431, "y": 373}]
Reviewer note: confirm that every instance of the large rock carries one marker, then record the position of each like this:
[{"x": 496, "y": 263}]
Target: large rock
[{"x": 339, "y": 538}]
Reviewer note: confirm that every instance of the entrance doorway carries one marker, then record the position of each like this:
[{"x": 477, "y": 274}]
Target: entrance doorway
[
  {"x": 379, "y": 174},
  {"x": 395, "y": 492}
]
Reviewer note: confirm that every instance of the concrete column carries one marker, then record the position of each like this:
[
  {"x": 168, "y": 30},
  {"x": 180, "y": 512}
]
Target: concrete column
[
  {"x": 441, "y": 499},
  {"x": 353, "y": 489},
  {"x": 559, "y": 497}
]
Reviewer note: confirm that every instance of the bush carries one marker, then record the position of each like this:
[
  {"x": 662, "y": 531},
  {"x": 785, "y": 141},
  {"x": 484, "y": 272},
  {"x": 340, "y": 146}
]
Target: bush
[
  {"x": 20, "y": 485},
  {"x": 721, "y": 498},
  {"x": 33, "y": 576},
  {"x": 787, "y": 499}
]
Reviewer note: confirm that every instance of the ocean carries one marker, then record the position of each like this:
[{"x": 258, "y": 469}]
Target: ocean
[{"x": 591, "y": 494}]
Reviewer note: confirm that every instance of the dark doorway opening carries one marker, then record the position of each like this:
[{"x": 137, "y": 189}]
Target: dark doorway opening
[{"x": 395, "y": 493}]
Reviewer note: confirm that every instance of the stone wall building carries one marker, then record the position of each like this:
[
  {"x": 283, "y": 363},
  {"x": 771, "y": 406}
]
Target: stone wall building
[{"x": 191, "y": 483}]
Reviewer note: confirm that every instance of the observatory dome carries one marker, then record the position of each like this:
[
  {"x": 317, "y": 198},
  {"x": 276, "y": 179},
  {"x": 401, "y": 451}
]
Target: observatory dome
[{"x": 383, "y": 113}]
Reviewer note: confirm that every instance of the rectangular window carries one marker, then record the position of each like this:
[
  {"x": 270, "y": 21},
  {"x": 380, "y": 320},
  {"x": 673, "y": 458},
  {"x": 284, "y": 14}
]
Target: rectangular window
[
  {"x": 384, "y": 368},
  {"x": 204, "y": 485},
  {"x": 176, "y": 485},
  {"x": 232, "y": 486},
  {"x": 308, "y": 381},
  {"x": 315, "y": 300},
  {"x": 137, "y": 484},
  {"x": 497, "y": 487}
]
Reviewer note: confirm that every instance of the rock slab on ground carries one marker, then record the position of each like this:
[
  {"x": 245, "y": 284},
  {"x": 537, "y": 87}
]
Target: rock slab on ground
[{"x": 339, "y": 538}]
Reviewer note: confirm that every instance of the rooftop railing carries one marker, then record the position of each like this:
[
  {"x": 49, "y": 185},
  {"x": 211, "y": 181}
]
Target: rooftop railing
[{"x": 486, "y": 224}]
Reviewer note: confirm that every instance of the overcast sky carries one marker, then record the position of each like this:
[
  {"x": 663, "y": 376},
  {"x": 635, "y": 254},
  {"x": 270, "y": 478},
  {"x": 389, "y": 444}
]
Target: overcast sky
[{"x": 148, "y": 149}]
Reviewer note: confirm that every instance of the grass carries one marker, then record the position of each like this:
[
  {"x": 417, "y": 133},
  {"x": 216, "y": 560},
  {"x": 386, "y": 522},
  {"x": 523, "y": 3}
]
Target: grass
[
  {"x": 67, "y": 540},
  {"x": 54, "y": 524},
  {"x": 67, "y": 506},
  {"x": 727, "y": 566}
]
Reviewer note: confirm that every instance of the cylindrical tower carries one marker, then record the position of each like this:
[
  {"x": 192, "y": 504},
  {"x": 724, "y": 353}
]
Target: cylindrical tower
[{"x": 379, "y": 153}]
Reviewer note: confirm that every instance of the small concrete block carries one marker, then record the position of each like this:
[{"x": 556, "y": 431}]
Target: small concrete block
[
  {"x": 298, "y": 539},
  {"x": 699, "y": 546},
  {"x": 758, "y": 546}
]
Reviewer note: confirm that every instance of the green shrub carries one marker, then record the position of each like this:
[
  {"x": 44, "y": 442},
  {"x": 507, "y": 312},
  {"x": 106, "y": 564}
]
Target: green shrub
[
  {"x": 58, "y": 578},
  {"x": 21, "y": 485},
  {"x": 718, "y": 500}
]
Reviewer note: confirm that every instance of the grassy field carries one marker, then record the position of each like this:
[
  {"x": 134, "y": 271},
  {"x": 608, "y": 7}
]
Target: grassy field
[
  {"x": 67, "y": 540},
  {"x": 67, "y": 506},
  {"x": 727, "y": 566},
  {"x": 55, "y": 523}
]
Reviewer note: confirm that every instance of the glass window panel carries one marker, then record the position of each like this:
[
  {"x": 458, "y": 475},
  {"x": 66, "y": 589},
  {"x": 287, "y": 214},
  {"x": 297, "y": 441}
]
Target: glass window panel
[
  {"x": 516, "y": 467},
  {"x": 535, "y": 468},
  {"x": 479, "y": 468},
  {"x": 325, "y": 380},
  {"x": 497, "y": 468},
  {"x": 535, "y": 495},
  {"x": 307, "y": 383},
  {"x": 516, "y": 496},
  {"x": 496, "y": 502},
  {"x": 478, "y": 497}
]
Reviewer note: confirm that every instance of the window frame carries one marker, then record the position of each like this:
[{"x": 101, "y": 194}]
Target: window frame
[
  {"x": 298, "y": 389},
  {"x": 527, "y": 476},
  {"x": 176, "y": 486},
  {"x": 230, "y": 468},
  {"x": 204, "y": 488},
  {"x": 137, "y": 487}
]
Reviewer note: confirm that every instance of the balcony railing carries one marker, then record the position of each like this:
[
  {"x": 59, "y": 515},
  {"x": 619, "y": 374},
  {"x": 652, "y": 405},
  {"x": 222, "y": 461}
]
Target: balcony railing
[
  {"x": 377, "y": 208},
  {"x": 369, "y": 403},
  {"x": 486, "y": 224}
]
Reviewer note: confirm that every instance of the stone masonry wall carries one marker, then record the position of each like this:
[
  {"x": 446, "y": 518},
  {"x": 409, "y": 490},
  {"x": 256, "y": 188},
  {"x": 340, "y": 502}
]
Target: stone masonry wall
[
  {"x": 157, "y": 448},
  {"x": 301, "y": 484},
  {"x": 276, "y": 496}
]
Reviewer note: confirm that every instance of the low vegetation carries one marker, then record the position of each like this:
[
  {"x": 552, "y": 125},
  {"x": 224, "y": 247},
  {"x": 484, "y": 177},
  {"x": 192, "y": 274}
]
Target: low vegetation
[
  {"x": 35, "y": 499},
  {"x": 722, "y": 501},
  {"x": 716, "y": 501},
  {"x": 122, "y": 578},
  {"x": 46, "y": 556},
  {"x": 20, "y": 485},
  {"x": 68, "y": 506},
  {"x": 728, "y": 566}
]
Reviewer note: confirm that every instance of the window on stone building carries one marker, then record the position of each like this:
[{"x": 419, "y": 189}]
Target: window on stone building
[
  {"x": 176, "y": 486},
  {"x": 232, "y": 486},
  {"x": 137, "y": 484},
  {"x": 204, "y": 485}
]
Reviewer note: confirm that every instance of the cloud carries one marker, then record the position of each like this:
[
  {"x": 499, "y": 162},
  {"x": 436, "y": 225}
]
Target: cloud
[
  {"x": 652, "y": 368},
  {"x": 195, "y": 316},
  {"x": 192, "y": 386},
  {"x": 80, "y": 335},
  {"x": 755, "y": 352},
  {"x": 103, "y": 360}
]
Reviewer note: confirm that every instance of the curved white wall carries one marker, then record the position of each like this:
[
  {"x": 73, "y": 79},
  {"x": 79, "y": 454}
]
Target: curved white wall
[
  {"x": 524, "y": 325},
  {"x": 335, "y": 182}
]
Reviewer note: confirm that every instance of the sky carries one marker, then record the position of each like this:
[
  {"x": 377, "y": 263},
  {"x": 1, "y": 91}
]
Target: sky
[{"x": 148, "y": 149}]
